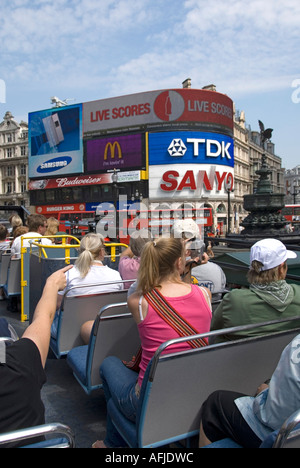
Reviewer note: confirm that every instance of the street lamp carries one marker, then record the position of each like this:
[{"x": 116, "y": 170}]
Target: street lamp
[
  {"x": 229, "y": 189},
  {"x": 114, "y": 179},
  {"x": 295, "y": 192}
]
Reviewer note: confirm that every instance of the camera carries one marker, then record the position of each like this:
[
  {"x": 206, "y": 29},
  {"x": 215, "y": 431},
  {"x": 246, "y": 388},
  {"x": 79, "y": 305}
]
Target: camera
[{"x": 197, "y": 248}]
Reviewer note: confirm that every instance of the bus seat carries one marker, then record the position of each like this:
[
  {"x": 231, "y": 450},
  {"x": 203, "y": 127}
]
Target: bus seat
[
  {"x": 178, "y": 384},
  {"x": 114, "y": 333}
]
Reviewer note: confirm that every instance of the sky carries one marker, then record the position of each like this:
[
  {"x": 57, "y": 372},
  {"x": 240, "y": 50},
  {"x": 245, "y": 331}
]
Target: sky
[{"x": 84, "y": 50}]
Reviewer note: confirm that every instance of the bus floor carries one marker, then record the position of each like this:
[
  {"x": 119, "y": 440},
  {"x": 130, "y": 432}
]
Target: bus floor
[{"x": 64, "y": 399}]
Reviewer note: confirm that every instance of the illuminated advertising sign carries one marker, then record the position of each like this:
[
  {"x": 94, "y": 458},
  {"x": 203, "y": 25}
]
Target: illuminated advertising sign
[
  {"x": 190, "y": 164},
  {"x": 190, "y": 148},
  {"x": 120, "y": 153},
  {"x": 55, "y": 141},
  {"x": 165, "y": 106}
]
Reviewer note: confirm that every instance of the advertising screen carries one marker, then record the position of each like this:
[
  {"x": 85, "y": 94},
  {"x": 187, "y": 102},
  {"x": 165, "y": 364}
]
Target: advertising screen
[
  {"x": 120, "y": 153},
  {"x": 160, "y": 107},
  {"x": 190, "y": 164},
  {"x": 55, "y": 141},
  {"x": 190, "y": 148}
]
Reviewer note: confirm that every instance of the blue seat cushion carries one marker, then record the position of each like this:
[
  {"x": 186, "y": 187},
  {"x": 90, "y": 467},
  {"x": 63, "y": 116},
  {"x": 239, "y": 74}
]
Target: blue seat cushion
[
  {"x": 126, "y": 428},
  {"x": 224, "y": 443},
  {"x": 77, "y": 359}
]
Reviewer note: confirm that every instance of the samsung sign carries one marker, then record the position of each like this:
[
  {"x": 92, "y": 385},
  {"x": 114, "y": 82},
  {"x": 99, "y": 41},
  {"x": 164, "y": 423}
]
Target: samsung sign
[
  {"x": 55, "y": 141},
  {"x": 191, "y": 148}
]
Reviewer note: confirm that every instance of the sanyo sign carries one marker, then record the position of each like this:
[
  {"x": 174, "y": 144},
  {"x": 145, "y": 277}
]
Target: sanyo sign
[{"x": 190, "y": 163}]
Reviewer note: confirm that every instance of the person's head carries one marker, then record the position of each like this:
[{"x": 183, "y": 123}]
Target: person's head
[
  {"x": 188, "y": 229},
  {"x": 15, "y": 221},
  {"x": 52, "y": 228},
  {"x": 161, "y": 259},
  {"x": 3, "y": 232},
  {"x": 91, "y": 248},
  {"x": 20, "y": 230},
  {"x": 137, "y": 241},
  {"x": 268, "y": 261},
  {"x": 37, "y": 223},
  {"x": 185, "y": 229}
]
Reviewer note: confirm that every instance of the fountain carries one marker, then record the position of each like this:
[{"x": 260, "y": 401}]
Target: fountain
[{"x": 264, "y": 219}]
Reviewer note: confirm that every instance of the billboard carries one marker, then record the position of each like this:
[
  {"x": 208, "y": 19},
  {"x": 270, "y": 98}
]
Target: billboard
[
  {"x": 55, "y": 141},
  {"x": 190, "y": 148},
  {"x": 185, "y": 165},
  {"x": 160, "y": 107},
  {"x": 121, "y": 153}
]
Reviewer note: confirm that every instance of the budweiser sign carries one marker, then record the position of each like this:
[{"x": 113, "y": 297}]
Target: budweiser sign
[{"x": 69, "y": 181}]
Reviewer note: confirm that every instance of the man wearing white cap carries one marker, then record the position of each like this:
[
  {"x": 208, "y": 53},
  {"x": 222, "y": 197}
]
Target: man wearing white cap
[{"x": 269, "y": 296}]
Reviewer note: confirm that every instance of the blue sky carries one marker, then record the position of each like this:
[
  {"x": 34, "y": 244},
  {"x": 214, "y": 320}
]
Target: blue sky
[{"x": 93, "y": 49}]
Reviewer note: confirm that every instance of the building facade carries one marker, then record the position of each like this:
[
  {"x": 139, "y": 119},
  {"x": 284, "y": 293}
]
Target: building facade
[
  {"x": 292, "y": 185},
  {"x": 13, "y": 162},
  {"x": 168, "y": 148}
]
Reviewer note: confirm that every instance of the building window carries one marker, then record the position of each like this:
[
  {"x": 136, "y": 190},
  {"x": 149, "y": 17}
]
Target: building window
[
  {"x": 10, "y": 187},
  {"x": 23, "y": 169},
  {"x": 23, "y": 150},
  {"x": 10, "y": 171},
  {"x": 9, "y": 153}
]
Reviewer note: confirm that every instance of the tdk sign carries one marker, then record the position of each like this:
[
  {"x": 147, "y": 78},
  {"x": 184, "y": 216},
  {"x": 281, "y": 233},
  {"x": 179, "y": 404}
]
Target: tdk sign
[{"x": 191, "y": 147}]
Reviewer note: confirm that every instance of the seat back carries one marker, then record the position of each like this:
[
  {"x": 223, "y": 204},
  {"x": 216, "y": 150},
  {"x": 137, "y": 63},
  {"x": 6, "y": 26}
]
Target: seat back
[
  {"x": 179, "y": 383},
  {"x": 115, "y": 333},
  {"x": 77, "y": 310},
  {"x": 13, "y": 285},
  {"x": 15, "y": 437},
  {"x": 4, "y": 268}
]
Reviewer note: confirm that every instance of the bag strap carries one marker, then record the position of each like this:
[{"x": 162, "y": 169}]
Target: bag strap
[{"x": 173, "y": 318}]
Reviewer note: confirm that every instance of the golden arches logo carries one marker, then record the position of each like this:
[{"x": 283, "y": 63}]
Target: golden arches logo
[{"x": 112, "y": 147}]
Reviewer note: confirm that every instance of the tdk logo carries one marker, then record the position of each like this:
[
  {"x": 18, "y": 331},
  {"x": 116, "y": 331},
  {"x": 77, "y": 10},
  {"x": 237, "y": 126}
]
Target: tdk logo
[
  {"x": 212, "y": 148},
  {"x": 177, "y": 148},
  {"x": 54, "y": 164}
]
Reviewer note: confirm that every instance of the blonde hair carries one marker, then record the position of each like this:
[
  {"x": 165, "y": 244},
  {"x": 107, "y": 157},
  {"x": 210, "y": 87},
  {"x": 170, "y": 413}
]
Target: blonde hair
[
  {"x": 52, "y": 228},
  {"x": 158, "y": 261},
  {"x": 90, "y": 249},
  {"x": 256, "y": 276}
]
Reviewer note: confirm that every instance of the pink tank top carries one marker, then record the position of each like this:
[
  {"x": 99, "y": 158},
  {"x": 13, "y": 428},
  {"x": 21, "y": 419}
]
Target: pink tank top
[{"x": 154, "y": 330}]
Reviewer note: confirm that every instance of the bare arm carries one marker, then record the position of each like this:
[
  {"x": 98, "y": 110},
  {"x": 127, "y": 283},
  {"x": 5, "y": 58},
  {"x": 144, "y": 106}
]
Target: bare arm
[{"x": 40, "y": 328}]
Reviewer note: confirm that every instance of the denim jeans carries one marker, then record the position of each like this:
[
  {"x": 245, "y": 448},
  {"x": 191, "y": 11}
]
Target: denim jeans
[{"x": 119, "y": 384}]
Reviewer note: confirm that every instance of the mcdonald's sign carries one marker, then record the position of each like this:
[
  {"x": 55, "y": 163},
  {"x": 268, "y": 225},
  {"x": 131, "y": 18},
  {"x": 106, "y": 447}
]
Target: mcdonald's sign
[
  {"x": 111, "y": 149},
  {"x": 124, "y": 153}
]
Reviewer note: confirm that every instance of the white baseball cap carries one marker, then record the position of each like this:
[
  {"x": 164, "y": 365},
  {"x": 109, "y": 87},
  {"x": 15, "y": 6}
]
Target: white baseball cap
[
  {"x": 271, "y": 253},
  {"x": 187, "y": 226}
]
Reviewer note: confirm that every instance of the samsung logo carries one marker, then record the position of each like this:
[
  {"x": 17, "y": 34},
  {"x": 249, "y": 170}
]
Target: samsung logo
[{"x": 54, "y": 164}]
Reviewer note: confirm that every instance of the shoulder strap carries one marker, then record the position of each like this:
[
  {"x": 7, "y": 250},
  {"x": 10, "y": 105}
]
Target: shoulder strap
[{"x": 173, "y": 318}]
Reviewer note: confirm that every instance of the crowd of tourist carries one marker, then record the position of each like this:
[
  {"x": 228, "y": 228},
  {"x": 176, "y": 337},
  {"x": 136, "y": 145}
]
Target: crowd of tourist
[{"x": 176, "y": 274}]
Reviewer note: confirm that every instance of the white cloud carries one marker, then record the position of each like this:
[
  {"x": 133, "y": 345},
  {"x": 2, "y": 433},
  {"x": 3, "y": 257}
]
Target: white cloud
[{"x": 127, "y": 46}]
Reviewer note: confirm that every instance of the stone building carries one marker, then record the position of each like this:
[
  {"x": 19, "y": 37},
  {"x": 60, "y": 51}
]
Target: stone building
[{"x": 13, "y": 162}]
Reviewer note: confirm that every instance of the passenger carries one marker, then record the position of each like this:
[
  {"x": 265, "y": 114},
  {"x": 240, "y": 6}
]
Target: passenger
[
  {"x": 269, "y": 296},
  {"x": 89, "y": 271},
  {"x": 130, "y": 257},
  {"x": 19, "y": 231},
  {"x": 37, "y": 225},
  {"x": 4, "y": 245},
  {"x": 52, "y": 228},
  {"x": 202, "y": 271},
  {"x": 162, "y": 263},
  {"x": 15, "y": 222},
  {"x": 248, "y": 420},
  {"x": 22, "y": 372},
  {"x": 4, "y": 242}
]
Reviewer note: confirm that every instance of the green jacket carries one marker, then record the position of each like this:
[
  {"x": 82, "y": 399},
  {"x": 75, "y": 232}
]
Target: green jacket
[{"x": 275, "y": 301}]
